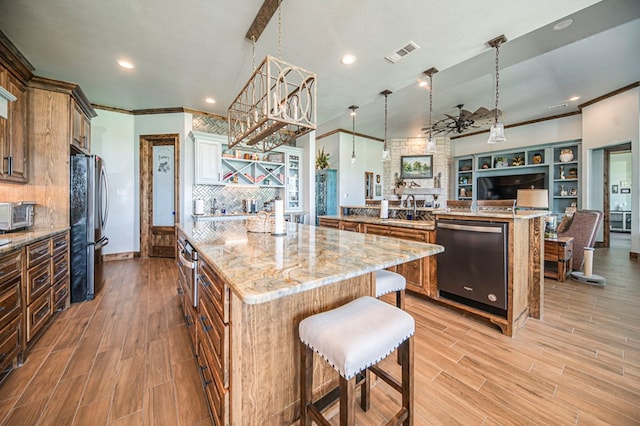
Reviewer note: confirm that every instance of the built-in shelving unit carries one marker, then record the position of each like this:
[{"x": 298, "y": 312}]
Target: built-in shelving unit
[{"x": 562, "y": 171}]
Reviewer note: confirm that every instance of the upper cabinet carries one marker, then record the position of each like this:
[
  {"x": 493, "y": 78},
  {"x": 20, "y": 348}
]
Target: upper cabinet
[
  {"x": 80, "y": 128},
  {"x": 13, "y": 132},
  {"x": 15, "y": 72},
  {"x": 208, "y": 150}
]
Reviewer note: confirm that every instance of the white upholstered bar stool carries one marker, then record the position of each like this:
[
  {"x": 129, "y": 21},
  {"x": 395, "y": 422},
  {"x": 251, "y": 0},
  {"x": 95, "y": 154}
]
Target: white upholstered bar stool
[
  {"x": 353, "y": 338},
  {"x": 387, "y": 282}
]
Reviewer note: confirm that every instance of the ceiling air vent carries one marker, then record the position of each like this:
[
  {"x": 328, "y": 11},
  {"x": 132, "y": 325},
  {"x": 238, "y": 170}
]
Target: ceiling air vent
[
  {"x": 402, "y": 52},
  {"x": 559, "y": 106}
]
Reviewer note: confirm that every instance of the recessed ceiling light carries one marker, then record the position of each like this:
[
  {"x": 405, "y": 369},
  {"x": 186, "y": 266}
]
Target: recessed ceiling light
[
  {"x": 348, "y": 59},
  {"x": 574, "y": 98},
  {"x": 563, "y": 24},
  {"x": 125, "y": 64},
  {"x": 210, "y": 101}
]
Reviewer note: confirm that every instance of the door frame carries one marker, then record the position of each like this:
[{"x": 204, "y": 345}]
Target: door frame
[
  {"x": 146, "y": 184},
  {"x": 606, "y": 204}
]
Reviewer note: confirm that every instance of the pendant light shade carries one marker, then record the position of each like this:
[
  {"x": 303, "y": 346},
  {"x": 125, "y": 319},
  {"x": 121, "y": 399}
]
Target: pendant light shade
[
  {"x": 353, "y": 109},
  {"x": 386, "y": 155},
  {"x": 431, "y": 142},
  {"x": 496, "y": 134}
]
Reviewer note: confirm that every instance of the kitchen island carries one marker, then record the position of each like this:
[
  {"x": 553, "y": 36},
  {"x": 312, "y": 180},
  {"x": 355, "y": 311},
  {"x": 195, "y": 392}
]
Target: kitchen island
[{"x": 267, "y": 285}]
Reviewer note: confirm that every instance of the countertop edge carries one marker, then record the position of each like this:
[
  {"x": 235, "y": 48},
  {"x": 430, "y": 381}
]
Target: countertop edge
[{"x": 24, "y": 238}]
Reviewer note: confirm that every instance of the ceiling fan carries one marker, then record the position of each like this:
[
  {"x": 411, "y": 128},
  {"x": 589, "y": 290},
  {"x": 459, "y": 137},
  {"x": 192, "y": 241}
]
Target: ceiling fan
[{"x": 465, "y": 120}]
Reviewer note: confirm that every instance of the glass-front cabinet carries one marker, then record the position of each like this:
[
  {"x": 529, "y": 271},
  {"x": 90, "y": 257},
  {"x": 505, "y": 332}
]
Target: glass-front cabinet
[{"x": 292, "y": 186}]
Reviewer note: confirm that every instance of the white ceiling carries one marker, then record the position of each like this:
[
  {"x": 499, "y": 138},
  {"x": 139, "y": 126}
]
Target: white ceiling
[{"x": 185, "y": 51}]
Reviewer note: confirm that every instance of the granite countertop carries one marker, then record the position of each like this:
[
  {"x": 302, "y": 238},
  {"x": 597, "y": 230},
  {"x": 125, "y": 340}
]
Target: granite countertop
[
  {"x": 22, "y": 238},
  {"x": 402, "y": 223},
  {"x": 518, "y": 214},
  {"x": 260, "y": 267}
]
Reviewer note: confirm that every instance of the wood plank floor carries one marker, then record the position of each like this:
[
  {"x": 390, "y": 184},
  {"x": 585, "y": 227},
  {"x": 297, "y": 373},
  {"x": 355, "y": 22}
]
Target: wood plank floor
[{"x": 125, "y": 359}]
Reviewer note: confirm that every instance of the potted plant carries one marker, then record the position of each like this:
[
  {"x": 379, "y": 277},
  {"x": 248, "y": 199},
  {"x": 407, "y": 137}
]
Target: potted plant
[{"x": 322, "y": 160}]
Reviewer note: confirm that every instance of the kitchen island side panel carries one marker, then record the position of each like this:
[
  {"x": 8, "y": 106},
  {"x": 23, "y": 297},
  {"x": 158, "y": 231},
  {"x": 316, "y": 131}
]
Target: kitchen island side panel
[{"x": 265, "y": 351}]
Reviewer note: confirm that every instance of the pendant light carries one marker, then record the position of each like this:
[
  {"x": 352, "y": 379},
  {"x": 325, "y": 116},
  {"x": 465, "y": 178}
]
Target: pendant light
[
  {"x": 386, "y": 155},
  {"x": 496, "y": 134},
  {"x": 431, "y": 142},
  {"x": 353, "y": 109}
]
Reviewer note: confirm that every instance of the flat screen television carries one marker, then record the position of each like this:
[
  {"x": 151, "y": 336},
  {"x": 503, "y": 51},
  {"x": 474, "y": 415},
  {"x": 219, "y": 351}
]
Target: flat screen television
[{"x": 506, "y": 187}]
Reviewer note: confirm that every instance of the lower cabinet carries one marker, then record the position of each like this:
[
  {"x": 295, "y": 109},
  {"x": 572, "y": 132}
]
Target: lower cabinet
[
  {"x": 10, "y": 310},
  {"x": 45, "y": 284},
  {"x": 420, "y": 274},
  {"x": 214, "y": 341}
]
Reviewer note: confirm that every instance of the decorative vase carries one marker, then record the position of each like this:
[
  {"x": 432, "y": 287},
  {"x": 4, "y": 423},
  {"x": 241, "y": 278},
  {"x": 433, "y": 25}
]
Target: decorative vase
[{"x": 566, "y": 155}]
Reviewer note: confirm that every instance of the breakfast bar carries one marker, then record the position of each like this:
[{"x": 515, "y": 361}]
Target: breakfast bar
[{"x": 270, "y": 283}]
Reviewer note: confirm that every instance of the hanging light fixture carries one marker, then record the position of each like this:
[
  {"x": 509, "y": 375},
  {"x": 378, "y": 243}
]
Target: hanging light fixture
[
  {"x": 496, "y": 134},
  {"x": 431, "y": 142},
  {"x": 386, "y": 155},
  {"x": 276, "y": 106},
  {"x": 353, "y": 109}
]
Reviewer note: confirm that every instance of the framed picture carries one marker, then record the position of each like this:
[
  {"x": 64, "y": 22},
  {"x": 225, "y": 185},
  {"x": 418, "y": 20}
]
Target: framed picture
[
  {"x": 573, "y": 191},
  {"x": 416, "y": 166},
  {"x": 614, "y": 189}
]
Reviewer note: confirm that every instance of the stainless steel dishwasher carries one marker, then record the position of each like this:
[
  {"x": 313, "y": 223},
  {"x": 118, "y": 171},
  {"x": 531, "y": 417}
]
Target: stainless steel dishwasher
[{"x": 473, "y": 268}]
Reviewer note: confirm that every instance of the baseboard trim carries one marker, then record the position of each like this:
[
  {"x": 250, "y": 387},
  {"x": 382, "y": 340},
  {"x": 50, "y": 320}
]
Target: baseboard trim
[{"x": 120, "y": 256}]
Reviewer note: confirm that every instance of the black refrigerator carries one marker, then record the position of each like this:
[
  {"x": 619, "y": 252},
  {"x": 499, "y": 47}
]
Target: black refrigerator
[{"x": 88, "y": 217}]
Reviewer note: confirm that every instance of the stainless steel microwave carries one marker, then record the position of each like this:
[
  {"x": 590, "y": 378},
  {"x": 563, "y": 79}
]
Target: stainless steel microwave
[{"x": 15, "y": 216}]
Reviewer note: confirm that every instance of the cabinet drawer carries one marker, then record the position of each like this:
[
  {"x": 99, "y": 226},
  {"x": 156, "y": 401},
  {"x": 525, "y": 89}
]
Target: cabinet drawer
[
  {"x": 329, "y": 223},
  {"x": 60, "y": 267},
  {"x": 217, "y": 396},
  {"x": 214, "y": 335},
  {"x": 60, "y": 244},
  {"x": 9, "y": 343},
  {"x": 409, "y": 234},
  {"x": 38, "y": 280},
  {"x": 350, "y": 226},
  {"x": 9, "y": 300},
  {"x": 10, "y": 266},
  {"x": 376, "y": 229},
  {"x": 59, "y": 293},
  {"x": 38, "y": 313},
  {"x": 216, "y": 289},
  {"x": 38, "y": 252}
]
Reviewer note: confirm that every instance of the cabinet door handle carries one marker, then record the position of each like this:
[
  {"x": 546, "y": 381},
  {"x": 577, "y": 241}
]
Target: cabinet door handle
[
  {"x": 9, "y": 165},
  {"x": 204, "y": 326},
  {"x": 42, "y": 279}
]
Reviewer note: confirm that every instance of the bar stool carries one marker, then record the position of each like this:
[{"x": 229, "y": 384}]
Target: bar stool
[
  {"x": 353, "y": 338},
  {"x": 387, "y": 281}
]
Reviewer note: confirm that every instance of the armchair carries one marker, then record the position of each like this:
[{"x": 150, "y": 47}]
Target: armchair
[{"x": 583, "y": 228}]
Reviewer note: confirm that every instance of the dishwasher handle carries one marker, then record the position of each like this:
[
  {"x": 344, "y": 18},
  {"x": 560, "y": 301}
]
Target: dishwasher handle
[
  {"x": 186, "y": 262},
  {"x": 471, "y": 228}
]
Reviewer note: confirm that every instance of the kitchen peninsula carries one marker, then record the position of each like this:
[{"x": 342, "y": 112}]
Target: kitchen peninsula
[
  {"x": 263, "y": 286},
  {"x": 523, "y": 267}
]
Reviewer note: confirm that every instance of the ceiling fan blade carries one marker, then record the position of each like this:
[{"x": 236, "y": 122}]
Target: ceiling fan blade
[
  {"x": 482, "y": 111},
  {"x": 452, "y": 117},
  {"x": 464, "y": 114}
]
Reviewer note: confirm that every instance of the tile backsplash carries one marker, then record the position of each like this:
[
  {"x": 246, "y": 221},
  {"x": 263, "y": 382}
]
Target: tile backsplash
[{"x": 231, "y": 197}]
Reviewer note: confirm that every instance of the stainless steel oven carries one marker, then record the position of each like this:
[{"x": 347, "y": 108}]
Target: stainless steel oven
[{"x": 188, "y": 270}]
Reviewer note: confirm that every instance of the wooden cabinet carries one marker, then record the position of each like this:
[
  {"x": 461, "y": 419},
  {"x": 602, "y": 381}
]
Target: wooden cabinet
[
  {"x": 13, "y": 133},
  {"x": 45, "y": 284},
  {"x": 214, "y": 341},
  {"x": 10, "y": 310},
  {"x": 80, "y": 128},
  {"x": 420, "y": 274}
]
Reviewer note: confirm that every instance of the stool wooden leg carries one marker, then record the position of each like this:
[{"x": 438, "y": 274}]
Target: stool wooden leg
[
  {"x": 406, "y": 349},
  {"x": 347, "y": 401},
  {"x": 400, "y": 304},
  {"x": 306, "y": 385},
  {"x": 365, "y": 391}
]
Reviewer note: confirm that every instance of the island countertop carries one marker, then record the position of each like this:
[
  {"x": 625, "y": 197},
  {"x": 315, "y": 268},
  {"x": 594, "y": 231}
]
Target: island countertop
[{"x": 260, "y": 267}]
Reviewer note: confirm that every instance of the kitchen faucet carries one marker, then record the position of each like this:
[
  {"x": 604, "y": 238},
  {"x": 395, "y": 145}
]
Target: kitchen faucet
[{"x": 414, "y": 205}]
